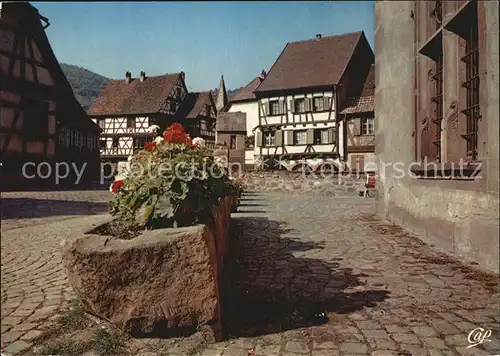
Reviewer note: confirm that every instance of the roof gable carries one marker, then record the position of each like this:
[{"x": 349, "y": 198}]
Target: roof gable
[
  {"x": 365, "y": 102},
  {"x": 247, "y": 93},
  {"x": 311, "y": 63},
  {"x": 200, "y": 101},
  {"x": 147, "y": 97}
]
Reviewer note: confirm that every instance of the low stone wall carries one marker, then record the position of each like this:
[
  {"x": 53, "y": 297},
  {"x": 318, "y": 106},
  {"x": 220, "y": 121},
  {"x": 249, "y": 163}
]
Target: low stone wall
[
  {"x": 163, "y": 279},
  {"x": 282, "y": 181}
]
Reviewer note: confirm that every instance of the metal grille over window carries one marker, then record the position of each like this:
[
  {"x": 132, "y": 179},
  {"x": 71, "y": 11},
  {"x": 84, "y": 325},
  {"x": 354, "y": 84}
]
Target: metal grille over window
[
  {"x": 438, "y": 13},
  {"x": 471, "y": 84},
  {"x": 437, "y": 100}
]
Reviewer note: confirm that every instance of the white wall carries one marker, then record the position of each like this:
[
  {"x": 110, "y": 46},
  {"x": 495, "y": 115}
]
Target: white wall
[{"x": 252, "y": 110}]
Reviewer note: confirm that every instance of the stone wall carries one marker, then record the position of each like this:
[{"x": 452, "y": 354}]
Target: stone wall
[
  {"x": 163, "y": 279},
  {"x": 298, "y": 183},
  {"x": 456, "y": 216}
]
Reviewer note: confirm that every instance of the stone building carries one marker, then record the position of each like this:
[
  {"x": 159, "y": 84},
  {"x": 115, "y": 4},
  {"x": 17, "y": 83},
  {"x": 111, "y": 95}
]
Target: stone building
[
  {"x": 42, "y": 123},
  {"x": 436, "y": 106}
]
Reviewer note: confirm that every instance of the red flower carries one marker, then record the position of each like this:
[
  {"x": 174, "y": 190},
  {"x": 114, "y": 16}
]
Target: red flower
[
  {"x": 116, "y": 186},
  {"x": 149, "y": 146},
  {"x": 186, "y": 210},
  {"x": 175, "y": 134}
]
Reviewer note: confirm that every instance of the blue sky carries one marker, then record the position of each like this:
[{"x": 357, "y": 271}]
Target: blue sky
[{"x": 203, "y": 39}]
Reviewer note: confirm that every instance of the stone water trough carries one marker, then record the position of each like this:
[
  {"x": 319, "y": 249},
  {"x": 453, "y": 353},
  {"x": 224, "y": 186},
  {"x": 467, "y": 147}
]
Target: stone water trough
[{"x": 162, "y": 280}]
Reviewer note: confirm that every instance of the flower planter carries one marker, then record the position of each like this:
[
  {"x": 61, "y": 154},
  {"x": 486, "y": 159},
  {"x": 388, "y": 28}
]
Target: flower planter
[{"x": 161, "y": 280}]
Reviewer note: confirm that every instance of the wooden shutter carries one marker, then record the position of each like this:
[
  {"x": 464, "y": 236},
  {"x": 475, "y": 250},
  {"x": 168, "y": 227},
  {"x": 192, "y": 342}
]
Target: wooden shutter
[
  {"x": 289, "y": 137},
  {"x": 331, "y": 135},
  {"x": 258, "y": 139},
  {"x": 278, "y": 138},
  {"x": 358, "y": 163},
  {"x": 266, "y": 109},
  {"x": 291, "y": 105},
  {"x": 307, "y": 104},
  {"x": 326, "y": 103},
  {"x": 240, "y": 142},
  {"x": 310, "y": 137},
  {"x": 357, "y": 126},
  {"x": 282, "y": 106}
]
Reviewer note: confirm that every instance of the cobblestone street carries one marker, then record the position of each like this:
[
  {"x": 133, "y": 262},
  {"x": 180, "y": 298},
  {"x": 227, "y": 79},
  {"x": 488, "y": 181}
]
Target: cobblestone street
[{"x": 307, "y": 275}]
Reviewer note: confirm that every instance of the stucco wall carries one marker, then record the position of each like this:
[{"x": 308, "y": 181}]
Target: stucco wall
[
  {"x": 455, "y": 217},
  {"x": 252, "y": 111}
]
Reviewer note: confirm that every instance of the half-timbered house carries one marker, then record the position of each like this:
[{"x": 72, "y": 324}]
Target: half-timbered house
[
  {"x": 41, "y": 121},
  {"x": 299, "y": 98},
  {"x": 359, "y": 126},
  {"x": 198, "y": 115},
  {"x": 126, "y": 108}
]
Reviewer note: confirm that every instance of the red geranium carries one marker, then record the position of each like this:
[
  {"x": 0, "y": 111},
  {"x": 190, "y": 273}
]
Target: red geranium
[
  {"x": 116, "y": 186},
  {"x": 149, "y": 146},
  {"x": 175, "y": 134}
]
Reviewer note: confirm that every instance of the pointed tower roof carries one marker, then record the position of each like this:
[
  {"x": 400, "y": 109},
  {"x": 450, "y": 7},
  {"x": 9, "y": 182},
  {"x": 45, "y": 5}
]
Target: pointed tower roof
[{"x": 221, "y": 101}]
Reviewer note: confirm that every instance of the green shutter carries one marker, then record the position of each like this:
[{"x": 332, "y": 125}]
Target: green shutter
[
  {"x": 357, "y": 126},
  {"x": 289, "y": 137},
  {"x": 310, "y": 137},
  {"x": 291, "y": 106},
  {"x": 278, "y": 138},
  {"x": 331, "y": 135},
  {"x": 258, "y": 139},
  {"x": 307, "y": 104},
  {"x": 266, "y": 109}
]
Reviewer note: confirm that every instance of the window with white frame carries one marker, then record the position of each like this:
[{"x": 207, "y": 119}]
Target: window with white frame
[
  {"x": 367, "y": 126},
  {"x": 269, "y": 138},
  {"x": 300, "y": 105},
  {"x": 274, "y": 107},
  {"x": 300, "y": 137}
]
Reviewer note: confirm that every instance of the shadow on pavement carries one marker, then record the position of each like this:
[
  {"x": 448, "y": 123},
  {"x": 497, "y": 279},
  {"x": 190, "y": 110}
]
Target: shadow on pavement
[
  {"x": 23, "y": 208},
  {"x": 270, "y": 286}
]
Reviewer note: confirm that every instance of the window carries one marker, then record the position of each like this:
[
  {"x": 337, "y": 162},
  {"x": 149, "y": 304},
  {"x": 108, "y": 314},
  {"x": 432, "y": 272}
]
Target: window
[
  {"x": 35, "y": 122},
  {"x": 138, "y": 143},
  {"x": 318, "y": 104},
  {"x": 300, "y": 137},
  {"x": 115, "y": 142},
  {"x": 173, "y": 106},
  {"x": 232, "y": 142},
  {"x": 269, "y": 139},
  {"x": 67, "y": 136},
  {"x": 102, "y": 123},
  {"x": 102, "y": 144},
  {"x": 471, "y": 85},
  {"x": 130, "y": 123},
  {"x": 367, "y": 126},
  {"x": 299, "y": 105},
  {"x": 274, "y": 107},
  {"x": 321, "y": 136}
]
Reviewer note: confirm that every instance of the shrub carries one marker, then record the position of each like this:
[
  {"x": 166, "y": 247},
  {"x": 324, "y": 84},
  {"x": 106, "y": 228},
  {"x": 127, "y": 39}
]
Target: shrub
[{"x": 173, "y": 182}]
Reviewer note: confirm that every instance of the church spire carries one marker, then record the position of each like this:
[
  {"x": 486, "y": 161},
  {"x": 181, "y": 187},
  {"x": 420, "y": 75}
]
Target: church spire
[{"x": 221, "y": 101}]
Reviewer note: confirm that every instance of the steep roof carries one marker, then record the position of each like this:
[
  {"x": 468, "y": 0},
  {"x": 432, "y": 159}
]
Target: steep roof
[
  {"x": 247, "y": 92},
  {"x": 147, "y": 97},
  {"x": 69, "y": 111},
  {"x": 200, "y": 100},
  {"x": 311, "y": 63},
  {"x": 365, "y": 102}
]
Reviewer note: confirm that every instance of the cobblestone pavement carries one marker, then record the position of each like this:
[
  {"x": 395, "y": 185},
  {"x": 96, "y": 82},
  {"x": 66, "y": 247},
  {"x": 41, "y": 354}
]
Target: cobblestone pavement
[
  {"x": 33, "y": 284},
  {"x": 292, "y": 259}
]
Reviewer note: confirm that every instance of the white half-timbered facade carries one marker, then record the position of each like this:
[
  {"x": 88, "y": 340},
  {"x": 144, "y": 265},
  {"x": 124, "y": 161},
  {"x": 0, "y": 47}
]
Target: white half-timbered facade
[
  {"x": 126, "y": 109},
  {"x": 299, "y": 99}
]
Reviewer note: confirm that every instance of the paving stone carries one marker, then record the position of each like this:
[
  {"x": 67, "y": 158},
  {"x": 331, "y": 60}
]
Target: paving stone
[
  {"x": 424, "y": 331},
  {"x": 353, "y": 348},
  {"x": 375, "y": 334},
  {"x": 298, "y": 347},
  {"x": 406, "y": 339},
  {"x": 434, "y": 343},
  {"x": 267, "y": 350},
  {"x": 16, "y": 347}
]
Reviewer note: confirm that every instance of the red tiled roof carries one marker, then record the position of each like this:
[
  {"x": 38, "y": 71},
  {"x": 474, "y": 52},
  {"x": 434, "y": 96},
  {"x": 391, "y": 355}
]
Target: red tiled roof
[
  {"x": 246, "y": 93},
  {"x": 147, "y": 97},
  {"x": 366, "y": 101},
  {"x": 311, "y": 63}
]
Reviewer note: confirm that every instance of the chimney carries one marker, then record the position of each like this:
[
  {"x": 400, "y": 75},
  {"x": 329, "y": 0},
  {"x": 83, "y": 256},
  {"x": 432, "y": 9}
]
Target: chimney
[
  {"x": 143, "y": 76},
  {"x": 128, "y": 77},
  {"x": 318, "y": 36},
  {"x": 183, "y": 75},
  {"x": 263, "y": 74}
]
